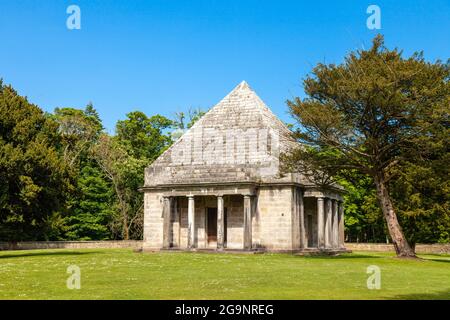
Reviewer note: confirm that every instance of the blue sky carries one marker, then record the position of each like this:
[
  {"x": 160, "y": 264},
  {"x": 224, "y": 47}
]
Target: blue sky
[{"x": 166, "y": 56}]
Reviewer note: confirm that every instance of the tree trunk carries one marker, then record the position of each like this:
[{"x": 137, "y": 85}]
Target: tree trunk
[
  {"x": 401, "y": 245},
  {"x": 126, "y": 233}
]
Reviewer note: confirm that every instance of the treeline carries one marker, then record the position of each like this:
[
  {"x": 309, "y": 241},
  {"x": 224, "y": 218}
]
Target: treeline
[{"x": 62, "y": 177}]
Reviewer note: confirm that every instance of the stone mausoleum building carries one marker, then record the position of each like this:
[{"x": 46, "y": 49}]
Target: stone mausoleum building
[{"x": 219, "y": 187}]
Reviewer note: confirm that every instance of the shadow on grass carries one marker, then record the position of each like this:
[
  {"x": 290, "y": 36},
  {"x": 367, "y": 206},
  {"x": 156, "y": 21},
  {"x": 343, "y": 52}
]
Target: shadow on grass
[
  {"x": 442, "y": 295},
  {"x": 45, "y": 253},
  {"x": 436, "y": 259},
  {"x": 348, "y": 256}
]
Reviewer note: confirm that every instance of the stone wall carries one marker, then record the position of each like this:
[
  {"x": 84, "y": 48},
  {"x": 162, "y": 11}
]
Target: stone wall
[
  {"x": 234, "y": 208},
  {"x": 29, "y": 245},
  {"x": 381, "y": 247},
  {"x": 274, "y": 215},
  {"x": 153, "y": 220}
]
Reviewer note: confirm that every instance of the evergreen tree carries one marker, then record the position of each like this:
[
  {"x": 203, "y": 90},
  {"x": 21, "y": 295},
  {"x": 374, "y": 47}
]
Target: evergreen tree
[
  {"x": 92, "y": 211},
  {"x": 88, "y": 211},
  {"x": 34, "y": 179},
  {"x": 371, "y": 114}
]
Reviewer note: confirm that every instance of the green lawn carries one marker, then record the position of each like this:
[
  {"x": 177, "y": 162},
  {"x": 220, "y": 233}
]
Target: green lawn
[{"x": 123, "y": 274}]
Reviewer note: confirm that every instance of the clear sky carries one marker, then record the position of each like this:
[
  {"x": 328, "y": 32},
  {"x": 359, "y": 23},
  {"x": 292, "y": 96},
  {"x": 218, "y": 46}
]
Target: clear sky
[{"x": 163, "y": 56}]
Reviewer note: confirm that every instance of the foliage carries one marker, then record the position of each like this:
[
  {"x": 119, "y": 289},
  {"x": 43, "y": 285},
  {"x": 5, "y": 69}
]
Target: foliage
[
  {"x": 34, "y": 179},
  {"x": 91, "y": 211},
  {"x": 142, "y": 137},
  {"x": 363, "y": 217},
  {"x": 371, "y": 114},
  {"x": 179, "y": 124},
  {"x": 63, "y": 178},
  {"x": 78, "y": 129},
  {"x": 123, "y": 158},
  {"x": 88, "y": 208},
  {"x": 421, "y": 189}
]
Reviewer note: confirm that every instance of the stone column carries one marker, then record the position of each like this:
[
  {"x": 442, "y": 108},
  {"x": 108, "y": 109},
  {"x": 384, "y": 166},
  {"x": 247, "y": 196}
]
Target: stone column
[
  {"x": 166, "y": 222},
  {"x": 191, "y": 222},
  {"x": 328, "y": 217},
  {"x": 341, "y": 224},
  {"x": 220, "y": 223},
  {"x": 303, "y": 239},
  {"x": 295, "y": 219},
  {"x": 247, "y": 222},
  {"x": 320, "y": 224},
  {"x": 335, "y": 225}
]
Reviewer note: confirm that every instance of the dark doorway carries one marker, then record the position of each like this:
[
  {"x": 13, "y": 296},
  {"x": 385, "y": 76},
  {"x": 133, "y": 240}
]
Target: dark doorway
[
  {"x": 310, "y": 231},
  {"x": 212, "y": 224}
]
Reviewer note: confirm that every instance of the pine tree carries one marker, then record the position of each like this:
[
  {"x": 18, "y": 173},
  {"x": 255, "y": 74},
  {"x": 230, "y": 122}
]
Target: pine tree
[{"x": 370, "y": 114}]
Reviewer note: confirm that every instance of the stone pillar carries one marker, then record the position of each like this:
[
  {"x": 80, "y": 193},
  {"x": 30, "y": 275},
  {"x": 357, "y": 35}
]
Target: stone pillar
[
  {"x": 191, "y": 222},
  {"x": 220, "y": 223},
  {"x": 328, "y": 217},
  {"x": 303, "y": 239},
  {"x": 295, "y": 218},
  {"x": 166, "y": 222},
  {"x": 341, "y": 224},
  {"x": 335, "y": 225},
  {"x": 175, "y": 223},
  {"x": 320, "y": 224},
  {"x": 247, "y": 222}
]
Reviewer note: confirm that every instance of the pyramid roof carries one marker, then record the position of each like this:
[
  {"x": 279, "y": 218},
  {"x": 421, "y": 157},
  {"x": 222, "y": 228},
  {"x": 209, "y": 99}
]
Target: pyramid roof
[{"x": 238, "y": 140}]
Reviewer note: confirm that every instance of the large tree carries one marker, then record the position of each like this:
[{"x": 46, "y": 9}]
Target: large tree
[
  {"x": 370, "y": 115},
  {"x": 34, "y": 180}
]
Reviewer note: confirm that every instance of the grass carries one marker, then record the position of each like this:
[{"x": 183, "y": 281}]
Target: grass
[{"x": 123, "y": 274}]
